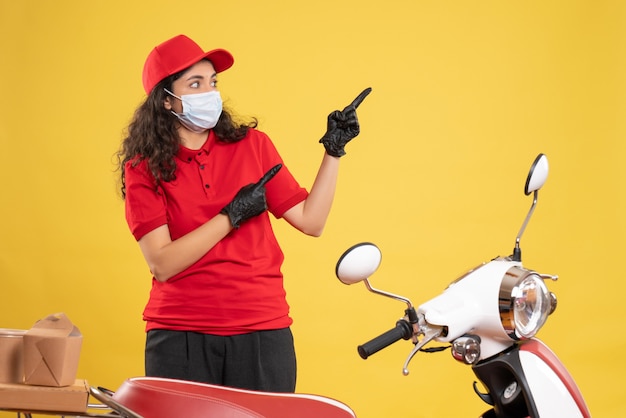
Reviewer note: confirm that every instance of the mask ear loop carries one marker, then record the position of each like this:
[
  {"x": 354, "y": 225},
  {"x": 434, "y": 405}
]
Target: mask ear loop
[{"x": 172, "y": 94}]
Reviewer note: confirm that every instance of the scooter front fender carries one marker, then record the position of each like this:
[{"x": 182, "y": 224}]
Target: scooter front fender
[
  {"x": 553, "y": 388},
  {"x": 529, "y": 380}
]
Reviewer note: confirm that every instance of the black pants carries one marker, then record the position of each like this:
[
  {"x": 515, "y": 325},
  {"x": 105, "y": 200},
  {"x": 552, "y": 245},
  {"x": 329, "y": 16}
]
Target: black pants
[{"x": 263, "y": 360}]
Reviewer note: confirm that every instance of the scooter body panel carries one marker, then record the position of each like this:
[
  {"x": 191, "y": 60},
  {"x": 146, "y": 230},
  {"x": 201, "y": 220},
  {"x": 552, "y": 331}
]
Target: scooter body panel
[
  {"x": 467, "y": 306},
  {"x": 553, "y": 388}
]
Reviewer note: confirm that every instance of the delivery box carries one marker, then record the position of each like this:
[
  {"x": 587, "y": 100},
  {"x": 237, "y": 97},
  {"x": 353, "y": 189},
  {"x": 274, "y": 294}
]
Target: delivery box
[
  {"x": 51, "y": 352},
  {"x": 11, "y": 358}
]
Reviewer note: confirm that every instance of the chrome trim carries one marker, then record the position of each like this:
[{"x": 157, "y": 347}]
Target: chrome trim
[
  {"x": 466, "y": 349},
  {"x": 553, "y": 303},
  {"x": 505, "y": 298}
]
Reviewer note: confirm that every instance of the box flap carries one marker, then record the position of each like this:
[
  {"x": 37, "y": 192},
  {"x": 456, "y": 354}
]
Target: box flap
[{"x": 57, "y": 324}]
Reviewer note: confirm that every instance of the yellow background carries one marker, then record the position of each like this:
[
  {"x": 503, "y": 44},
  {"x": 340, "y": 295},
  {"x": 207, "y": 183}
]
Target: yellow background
[{"x": 465, "y": 95}]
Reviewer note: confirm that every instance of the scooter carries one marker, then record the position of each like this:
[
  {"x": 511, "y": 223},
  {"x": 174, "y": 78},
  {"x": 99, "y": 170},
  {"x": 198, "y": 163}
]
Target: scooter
[{"x": 489, "y": 316}]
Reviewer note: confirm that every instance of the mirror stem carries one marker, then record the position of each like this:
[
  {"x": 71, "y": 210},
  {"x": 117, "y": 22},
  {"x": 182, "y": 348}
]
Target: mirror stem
[
  {"x": 390, "y": 295},
  {"x": 517, "y": 252}
]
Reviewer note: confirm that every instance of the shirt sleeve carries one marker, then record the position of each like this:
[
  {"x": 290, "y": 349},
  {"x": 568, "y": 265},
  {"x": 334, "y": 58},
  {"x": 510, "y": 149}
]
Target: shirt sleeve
[
  {"x": 145, "y": 205},
  {"x": 283, "y": 191}
]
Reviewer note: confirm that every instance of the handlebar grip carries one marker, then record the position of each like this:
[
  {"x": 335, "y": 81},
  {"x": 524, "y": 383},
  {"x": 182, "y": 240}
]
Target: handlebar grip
[{"x": 402, "y": 330}]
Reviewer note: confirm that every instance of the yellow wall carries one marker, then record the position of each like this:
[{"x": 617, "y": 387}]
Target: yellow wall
[{"x": 465, "y": 95}]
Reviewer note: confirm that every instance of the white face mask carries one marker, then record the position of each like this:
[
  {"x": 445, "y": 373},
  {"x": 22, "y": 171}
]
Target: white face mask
[{"x": 201, "y": 111}]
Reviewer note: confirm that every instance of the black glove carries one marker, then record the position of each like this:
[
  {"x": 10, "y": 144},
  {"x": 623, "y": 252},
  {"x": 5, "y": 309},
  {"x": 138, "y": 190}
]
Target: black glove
[
  {"x": 249, "y": 200},
  {"x": 343, "y": 127}
]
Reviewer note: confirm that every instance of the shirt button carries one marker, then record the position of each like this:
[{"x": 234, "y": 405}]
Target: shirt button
[
  {"x": 189, "y": 159},
  {"x": 202, "y": 167},
  {"x": 206, "y": 186}
]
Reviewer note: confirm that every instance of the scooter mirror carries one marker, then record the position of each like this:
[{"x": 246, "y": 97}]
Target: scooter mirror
[
  {"x": 537, "y": 175},
  {"x": 358, "y": 263}
]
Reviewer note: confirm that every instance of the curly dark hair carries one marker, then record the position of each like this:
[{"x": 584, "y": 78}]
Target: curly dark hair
[{"x": 152, "y": 135}]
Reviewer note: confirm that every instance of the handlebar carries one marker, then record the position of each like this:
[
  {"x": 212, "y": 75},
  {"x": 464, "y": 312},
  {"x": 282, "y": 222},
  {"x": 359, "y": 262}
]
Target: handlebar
[{"x": 402, "y": 330}]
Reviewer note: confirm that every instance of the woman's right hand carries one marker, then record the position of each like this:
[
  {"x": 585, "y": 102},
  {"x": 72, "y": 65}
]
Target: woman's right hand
[{"x": 249, "y": 200}]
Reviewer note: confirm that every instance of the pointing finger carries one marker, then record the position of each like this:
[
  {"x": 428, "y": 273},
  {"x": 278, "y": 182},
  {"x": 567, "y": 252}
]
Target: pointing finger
[
  {"x": 361, "y": 97},
  {"x": 269, "y": 175}
]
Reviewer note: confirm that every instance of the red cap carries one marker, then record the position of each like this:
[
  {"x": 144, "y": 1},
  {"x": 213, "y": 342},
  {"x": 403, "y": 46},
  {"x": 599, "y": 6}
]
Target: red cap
[{"x": 175, "y": 55}]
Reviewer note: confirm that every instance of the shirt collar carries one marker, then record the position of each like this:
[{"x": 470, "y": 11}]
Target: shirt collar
[{"x": 188, "y": 155}]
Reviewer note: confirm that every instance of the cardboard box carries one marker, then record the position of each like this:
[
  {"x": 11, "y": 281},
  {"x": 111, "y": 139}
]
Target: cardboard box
[
  {"x": 51, "y": 352},
  {"x": 11, "y": 355},
  {"x": 27, "y": 398}
]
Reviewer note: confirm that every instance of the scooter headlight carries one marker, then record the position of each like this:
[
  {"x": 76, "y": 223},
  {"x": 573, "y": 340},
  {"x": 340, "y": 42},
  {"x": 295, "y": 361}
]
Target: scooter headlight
[{"x": 525, "y": 303}]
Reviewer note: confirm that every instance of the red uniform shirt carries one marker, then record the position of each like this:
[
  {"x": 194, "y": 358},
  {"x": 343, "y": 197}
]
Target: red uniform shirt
[{"x": 236, "y": 287}]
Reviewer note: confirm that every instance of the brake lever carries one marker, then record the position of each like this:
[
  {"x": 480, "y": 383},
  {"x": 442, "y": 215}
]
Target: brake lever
[{"x": 429, "y": 335}]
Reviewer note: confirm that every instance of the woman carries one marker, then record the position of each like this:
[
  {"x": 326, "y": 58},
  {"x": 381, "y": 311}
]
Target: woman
[{"x": 197, "y": 187}]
